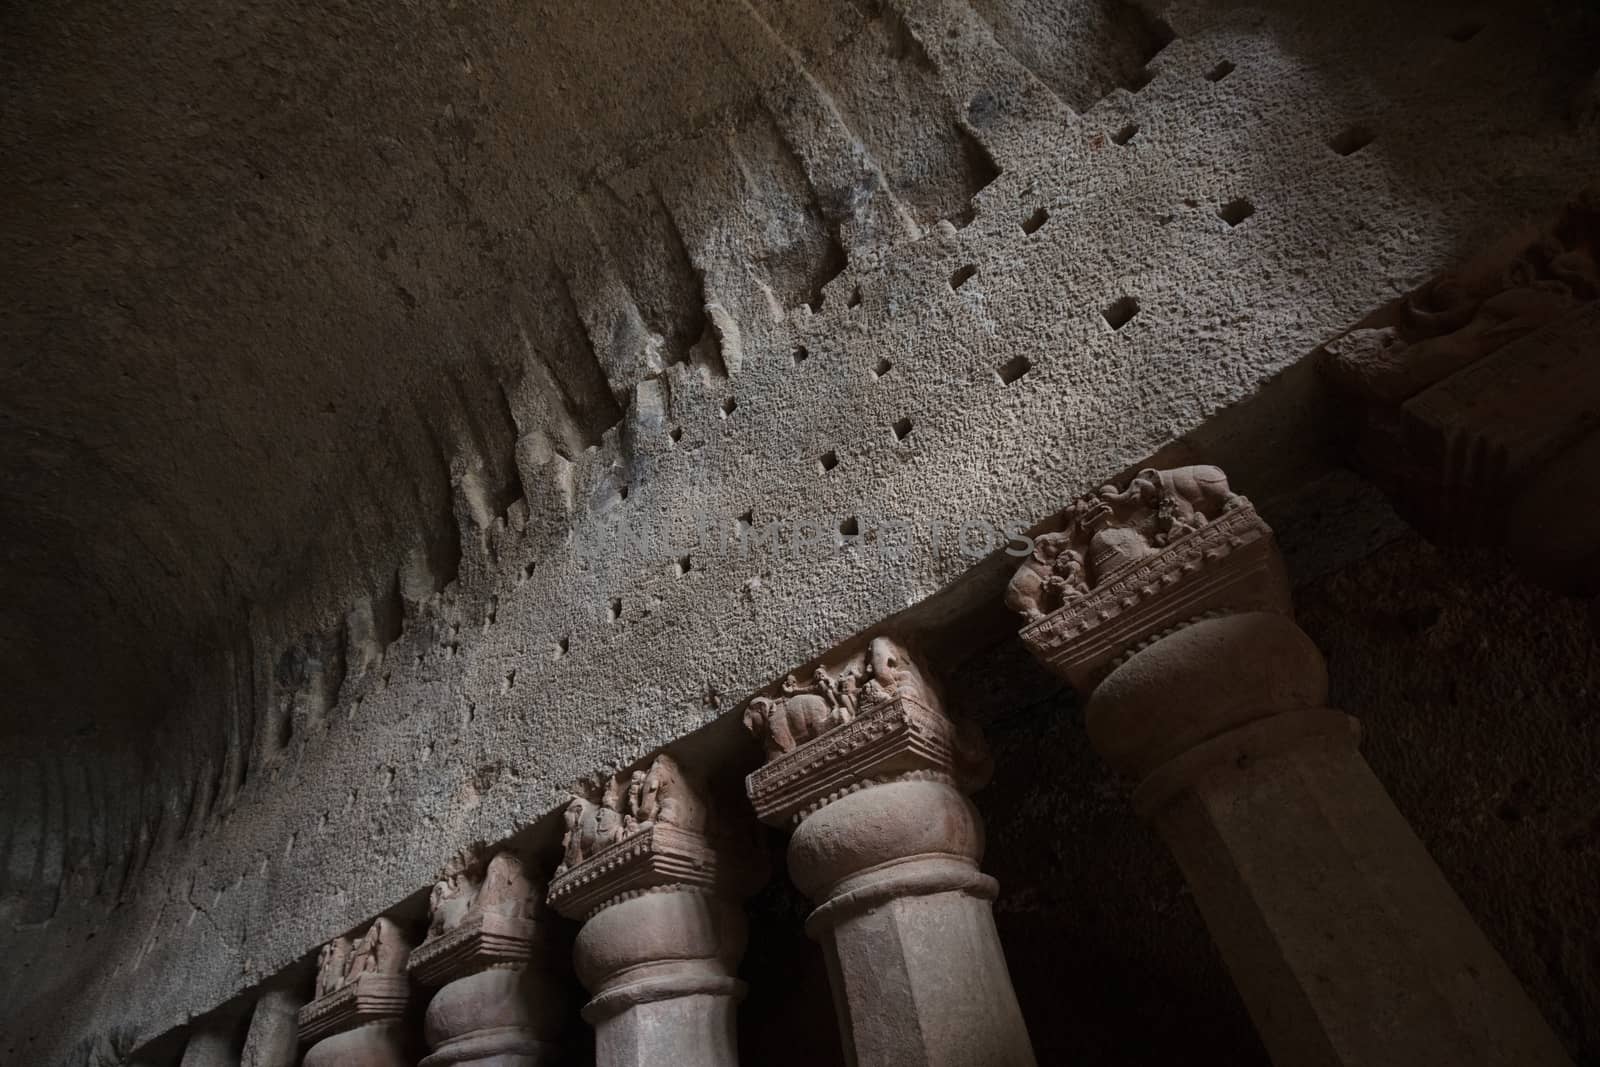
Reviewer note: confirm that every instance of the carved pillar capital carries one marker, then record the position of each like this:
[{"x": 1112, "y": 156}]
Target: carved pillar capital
[
  {"x": 655, "y": 871},
  {"x": 1474, "y": 398},
  {"x": 489, "y": 954},
  {"x": 362, "y": 995},
  {"x": 868, "y": 770},
  {"x": 1346, "y": 942}
]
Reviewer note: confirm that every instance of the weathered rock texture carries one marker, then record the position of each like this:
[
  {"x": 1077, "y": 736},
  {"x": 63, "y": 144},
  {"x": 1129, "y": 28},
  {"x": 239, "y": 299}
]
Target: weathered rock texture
[{"x": 338, "y": 340}]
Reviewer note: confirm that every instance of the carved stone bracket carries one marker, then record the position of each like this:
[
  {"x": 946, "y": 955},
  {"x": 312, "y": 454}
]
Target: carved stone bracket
[
  {"x": 898, "y": 737},
  {"x": 1227, "y": 565},
  {"x": 480, "y": 942},
  {"x": 366, "y": 999},
  {"x": 651, "y": 857}
]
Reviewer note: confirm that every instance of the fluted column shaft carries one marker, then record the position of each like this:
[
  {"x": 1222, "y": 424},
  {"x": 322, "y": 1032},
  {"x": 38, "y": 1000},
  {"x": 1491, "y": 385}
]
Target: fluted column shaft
[
  {"x": 905, "y": 918},
  {"x": 1346, "y": 942}
]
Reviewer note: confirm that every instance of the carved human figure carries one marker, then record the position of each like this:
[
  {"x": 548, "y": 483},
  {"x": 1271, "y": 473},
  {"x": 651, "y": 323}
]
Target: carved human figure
[
  {"x": 849, "y": 690},
  {"x": 1052, "y": 571},
  {"x": 578, "y": 816},
  {"x": 381, "y": 950},
  {"x": 633, "y": 817},
  {"x": 332, "y": 966},
  {"x": 453, "y": 892},
  {"x": 608, "y": 817}
]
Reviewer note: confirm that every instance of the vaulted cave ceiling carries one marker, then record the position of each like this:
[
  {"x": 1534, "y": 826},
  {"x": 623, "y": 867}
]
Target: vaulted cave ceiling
[{"x": 279, "y": 276}]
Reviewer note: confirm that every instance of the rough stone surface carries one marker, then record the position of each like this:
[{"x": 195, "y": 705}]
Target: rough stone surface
[{"x": 342, "y": 336}]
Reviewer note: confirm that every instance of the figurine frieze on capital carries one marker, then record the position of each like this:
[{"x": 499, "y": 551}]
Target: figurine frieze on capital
[
  {"x": 872, "y": 716},
  {"x": 1124, "y": 565},
  {"x": 358, "y": 982},
  {"x": 652, "y": 827},
  {"x": 483, "y": 913}
]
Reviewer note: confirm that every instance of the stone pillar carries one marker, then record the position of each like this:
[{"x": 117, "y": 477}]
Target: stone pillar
[
  {"x": 865, "y": 767},
  {"x": 656, "y": 873},
  {"x": 499, "y": 1002},
  {"x": 274, "y": 1039},
  {"x": 358, "y": 1016},
  {"x": 209, "y": 1046},
  {"x": 1168, "y": 604}
]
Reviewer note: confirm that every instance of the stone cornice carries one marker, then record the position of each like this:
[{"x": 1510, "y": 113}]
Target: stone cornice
[
  {"x": 895, "y": 738},
  {"x": 365, "y": 999},
  {"x": 654, "y": 856},
  {"x": 483, "y": 940}
]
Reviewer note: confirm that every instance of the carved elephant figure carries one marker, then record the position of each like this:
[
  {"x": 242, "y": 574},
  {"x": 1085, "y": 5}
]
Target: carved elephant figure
[
  {"x": 781, "y": 725},
  {"x": 669, "y": 798},
  {"x": 1029, "y": 593},
  {"x": 1201, "y": 490},
  {"x": 506, "y": 889},
  {"x": 578, "y": 841}
]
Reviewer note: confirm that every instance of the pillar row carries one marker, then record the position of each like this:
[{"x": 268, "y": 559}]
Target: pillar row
[
  {"x": 867, "y": 770},
  {"x": 656, "y": 872},
  {"x": 1167, "y": 604}
]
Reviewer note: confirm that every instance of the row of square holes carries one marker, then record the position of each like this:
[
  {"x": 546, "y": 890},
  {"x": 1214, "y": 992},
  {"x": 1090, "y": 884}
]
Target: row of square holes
[
  {"x": 1346, "y": 143},
  {"x": 1117, "y": 315}
]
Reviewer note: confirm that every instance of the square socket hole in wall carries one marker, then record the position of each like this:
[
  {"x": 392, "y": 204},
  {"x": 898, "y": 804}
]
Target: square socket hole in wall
[
  {"x": 800, "y": 355},
  {"x": 850, "y": 527},
  {"x": 1236, "y": 211},
  {"x": 1350, "y": 140},
  {"x": 902, "y": 429},
  {"x": 1032, "y": 223},
  {"x": 729, "y": 406},
  {"x": 1220, "y": 71},
  {"x": 883, "y": 367},
  {"x": 1121, "y": 312},
  {"x": 676, "y": 433},
  {"x": 562, "y": 647},
  {"x": 828, "y": 460},
  {"x": 1013, "y": 369},
  {"x": 1140, "y": 79},
  {"x": 1126, "y": 134},
  {"x": 962, "y": 276},
  {"x": 855, "y": 298},
  {"x": 616, "y": 609},
  {"x": 683, "y": 566}
]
